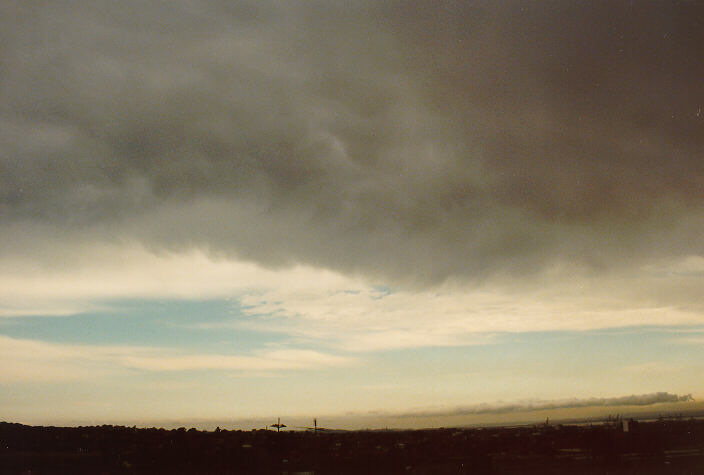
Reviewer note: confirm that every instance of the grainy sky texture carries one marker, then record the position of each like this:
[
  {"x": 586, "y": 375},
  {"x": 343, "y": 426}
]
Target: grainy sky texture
[{"x": 314, "y": 193}]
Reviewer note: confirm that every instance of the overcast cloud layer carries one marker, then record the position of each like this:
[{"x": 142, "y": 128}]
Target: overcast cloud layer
[{"x": 408, "y": 141}]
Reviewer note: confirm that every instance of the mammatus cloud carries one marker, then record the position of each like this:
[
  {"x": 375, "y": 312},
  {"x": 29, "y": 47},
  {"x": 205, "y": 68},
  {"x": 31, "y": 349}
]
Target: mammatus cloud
[
  {"x": 503, "y": 408},
  {"x": 406, "y": 141}
]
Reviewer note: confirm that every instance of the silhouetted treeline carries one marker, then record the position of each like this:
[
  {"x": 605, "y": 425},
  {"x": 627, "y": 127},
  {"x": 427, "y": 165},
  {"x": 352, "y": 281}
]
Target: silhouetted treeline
[{"x": 669, "y": 446}]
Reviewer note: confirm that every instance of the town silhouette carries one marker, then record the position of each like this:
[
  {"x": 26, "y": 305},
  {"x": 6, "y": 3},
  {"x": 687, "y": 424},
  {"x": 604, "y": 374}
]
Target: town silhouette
[{"x": 614, "y": 446}]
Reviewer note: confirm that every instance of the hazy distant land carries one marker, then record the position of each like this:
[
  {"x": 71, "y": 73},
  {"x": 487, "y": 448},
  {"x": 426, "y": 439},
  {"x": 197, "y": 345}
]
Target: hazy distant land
[{"x": 454, "y": 417}]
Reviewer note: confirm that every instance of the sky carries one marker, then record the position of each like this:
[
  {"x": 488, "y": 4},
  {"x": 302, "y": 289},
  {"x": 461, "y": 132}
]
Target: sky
[{"x": 403, "y": 213}]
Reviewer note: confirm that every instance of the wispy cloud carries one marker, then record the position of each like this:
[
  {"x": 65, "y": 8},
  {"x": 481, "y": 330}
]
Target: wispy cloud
[
  {"x": 266, "y": 360},
  {"x": 365, "y": 319},
  {"x": 653, "y": 368},
  {"x": 107, "y": 272},
  {"x": 32, "y": 360},
  {"x": 688, "y": 340},
  {"x": 342, "y": 312}
]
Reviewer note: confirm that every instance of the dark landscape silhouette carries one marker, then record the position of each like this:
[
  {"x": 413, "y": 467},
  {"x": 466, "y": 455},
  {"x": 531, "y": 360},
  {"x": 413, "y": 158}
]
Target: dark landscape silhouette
[{"x": 616, "y": 446}]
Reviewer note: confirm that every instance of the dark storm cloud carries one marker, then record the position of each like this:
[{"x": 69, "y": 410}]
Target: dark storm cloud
[{"x": 412, "y": 140}]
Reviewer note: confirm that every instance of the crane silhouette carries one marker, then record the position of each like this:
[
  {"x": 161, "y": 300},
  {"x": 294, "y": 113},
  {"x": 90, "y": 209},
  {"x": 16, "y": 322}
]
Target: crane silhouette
[{"x": 278, "y": 425}]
